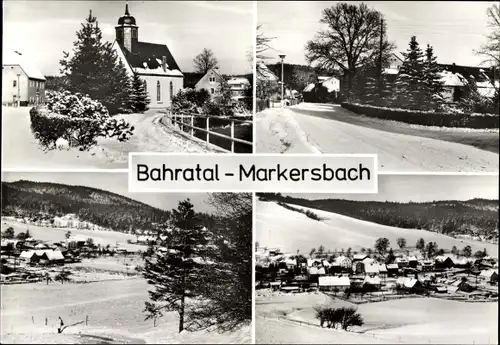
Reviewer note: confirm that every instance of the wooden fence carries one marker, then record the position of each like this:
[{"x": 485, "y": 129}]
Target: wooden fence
[{"x": 186, "y": 125}]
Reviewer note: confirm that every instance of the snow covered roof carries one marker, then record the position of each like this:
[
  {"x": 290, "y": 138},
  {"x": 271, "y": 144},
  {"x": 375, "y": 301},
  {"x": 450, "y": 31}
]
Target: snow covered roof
[
  {"x": 372, "y": 280},
  {"x": 331, "y": 84},
  {"x": 368, "y": 261},
  {"x": 334, "y": 281},
  {"x": 322, "y": 271},
  {"x": 488, "y": 273},
  {"x": 309, "y": 87},
  {"x": 406, "y": 282},
  {"x": 486, "y": 89},
  {"x": 359, "y": 256},
  {"x": 390, "y": 71},
  {"x": 264, "y": 73},
  {"x": 452, "y": 79},
  {"x": 238, "y": 81},
  {"x": 26, "y": 63},
  {"x": 392, "y": 266},
  {"x": 372, "y": 269},
  {"x": 77, "y": 238},
  {"x": 147, "y": 58},
  {"x": 292, "y": 262}
]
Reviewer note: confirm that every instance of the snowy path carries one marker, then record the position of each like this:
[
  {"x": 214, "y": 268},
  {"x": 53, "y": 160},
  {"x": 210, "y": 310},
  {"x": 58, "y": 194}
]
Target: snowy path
[
  {"x": 20, "y": 148},
  {"x": 317, "y": 128}
]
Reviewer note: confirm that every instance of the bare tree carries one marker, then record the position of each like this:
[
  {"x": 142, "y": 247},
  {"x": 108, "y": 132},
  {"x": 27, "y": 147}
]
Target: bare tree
[
  {"x": 205, "y": 61},
  {"x": 262, "y": 44},
  {"x": 491, "y": 49},
  {"x": 352, "y": 39}
]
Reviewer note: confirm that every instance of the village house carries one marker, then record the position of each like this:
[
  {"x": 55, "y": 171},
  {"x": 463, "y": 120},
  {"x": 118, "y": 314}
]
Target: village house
[
  {"x": 240, "y": 88},
  {"x": 213, "y": 82},
  {"x": 490, "y": 276},
  {"x": 152, "y": 62},
  {"x": 326, "y": 88},
  {"x": 22, "y": 81},
  {"x": 268, "y": 84},
  {"x": 329, "y": 283}
]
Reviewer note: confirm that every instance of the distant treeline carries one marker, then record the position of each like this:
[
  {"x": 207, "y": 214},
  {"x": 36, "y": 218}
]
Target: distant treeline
[
  {"x": 308, "y": 213},
  {"x": 460, "y": 217},
  {"x": 106, "y": 209}
]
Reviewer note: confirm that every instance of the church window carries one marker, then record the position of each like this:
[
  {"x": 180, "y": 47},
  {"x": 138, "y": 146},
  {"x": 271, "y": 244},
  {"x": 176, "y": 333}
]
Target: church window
[
  {"x": 212, "y": 91},
  {"x": 212, "y": 79},
  {"x": 158, "y": 91},
  {"x": 146, "y": 85},
  {"x": 171, "y": 90},
  {"x": 134, "y": 33},
  {"x": 14, "y": 84}
]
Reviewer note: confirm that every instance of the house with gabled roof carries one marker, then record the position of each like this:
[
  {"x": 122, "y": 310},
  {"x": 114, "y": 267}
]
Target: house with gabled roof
[
  {"x": 152, "y": 62},
  {"x": 213, "y": 82},
  {"x": 22, "y": 81}
]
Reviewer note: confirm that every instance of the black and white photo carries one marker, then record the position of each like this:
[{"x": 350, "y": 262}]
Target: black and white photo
[
  {"x": 84, "y": 261},
  {"x": 416, "y": 263},
  {"x": 87, "y": 82},
  {"x": 415, "y": 82}
]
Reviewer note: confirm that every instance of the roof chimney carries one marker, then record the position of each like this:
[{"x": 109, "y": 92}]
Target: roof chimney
[{"x": 164, "y": 63}]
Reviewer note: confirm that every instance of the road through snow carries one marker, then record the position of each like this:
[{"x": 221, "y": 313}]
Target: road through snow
[
  {"x": 21, "y": 150},
  {"x": 314, "y": 128}
]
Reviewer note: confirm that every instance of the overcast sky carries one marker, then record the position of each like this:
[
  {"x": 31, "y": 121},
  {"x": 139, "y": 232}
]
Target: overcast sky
[
  {"x": 43, "y": 29},
  {"x": 115, "y": 183},
  {"x": 454, "y": 28},
  {"x": 421, "y": 188}
]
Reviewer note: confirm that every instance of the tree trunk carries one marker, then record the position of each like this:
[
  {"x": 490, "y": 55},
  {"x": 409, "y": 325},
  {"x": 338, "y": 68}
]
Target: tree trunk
[{"x": 181, "y": 311}]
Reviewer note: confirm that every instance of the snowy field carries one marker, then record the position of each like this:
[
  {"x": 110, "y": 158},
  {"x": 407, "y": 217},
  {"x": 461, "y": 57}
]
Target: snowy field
[
  {"x": 114, "y": 310},
  {"x": 325, "y": 128},
  {"x": 277, "y": 226},
  {"x": 103, "y": 238},
  {"x": 290, "y": 319},
  {"x": 21, "y": 150}
]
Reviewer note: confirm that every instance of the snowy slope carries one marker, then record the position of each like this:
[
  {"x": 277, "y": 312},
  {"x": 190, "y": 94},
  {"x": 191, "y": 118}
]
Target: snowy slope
[{"x": 294, "y": 231}]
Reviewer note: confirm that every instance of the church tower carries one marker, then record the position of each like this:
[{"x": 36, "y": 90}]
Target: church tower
[{"x": 127, "y": 32}]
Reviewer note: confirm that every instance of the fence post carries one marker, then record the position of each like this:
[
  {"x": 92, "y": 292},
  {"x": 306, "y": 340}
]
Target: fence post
[
  {"x": 208, "y": 130},
  {"x": 192, "y": 125},
  {"x": 86, "y": 320},
  {"x": 182, "y": 123},
  {"x": 232, "y": 136}
]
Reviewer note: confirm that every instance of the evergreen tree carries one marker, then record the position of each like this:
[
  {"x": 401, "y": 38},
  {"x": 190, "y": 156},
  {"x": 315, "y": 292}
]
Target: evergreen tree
[
  {"x": 178, "y": 274},
  {"x": 410, "y": 87},
  {"x": 94, "y": 68},
  {"x": 139, "y": 99},
  {"x": 432, "y": 79}
]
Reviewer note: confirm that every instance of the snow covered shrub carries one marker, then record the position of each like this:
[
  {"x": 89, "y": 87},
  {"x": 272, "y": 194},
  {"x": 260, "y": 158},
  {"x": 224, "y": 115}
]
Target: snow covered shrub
[
  {"x": 427, "y": 118},
  {"x": 189, "y": 101},
  {"x": 75, "y": 119}
]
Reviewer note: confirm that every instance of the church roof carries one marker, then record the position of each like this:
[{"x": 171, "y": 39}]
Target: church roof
[
  {"x": 127, "y": 19},
  {"x": 147, "y": 57}
]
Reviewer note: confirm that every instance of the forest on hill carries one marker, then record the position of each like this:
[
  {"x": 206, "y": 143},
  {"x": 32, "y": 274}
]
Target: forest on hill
[
  {"x": 474, "y": 217},
  {"x": 47, "y": 200}
]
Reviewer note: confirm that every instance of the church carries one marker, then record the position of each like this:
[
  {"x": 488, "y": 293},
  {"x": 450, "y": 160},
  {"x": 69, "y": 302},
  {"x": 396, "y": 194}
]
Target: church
[{"x": 152, "y": 62}]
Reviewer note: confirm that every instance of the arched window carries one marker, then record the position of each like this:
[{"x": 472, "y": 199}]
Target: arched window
[
  {"x": 171, "y": 89},
  {"x": 158, "y": 91},
  {"x": 145, "y": 85}
]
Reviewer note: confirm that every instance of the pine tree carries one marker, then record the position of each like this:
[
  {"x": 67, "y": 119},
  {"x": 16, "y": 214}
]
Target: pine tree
[
  {"x": 432, "y": 79},
  {"x": 94, "y": 68},
  {"x": 410, "y": 87},
  {"x": 179, "y": 273},
  {"x": 139, "y": 99}
]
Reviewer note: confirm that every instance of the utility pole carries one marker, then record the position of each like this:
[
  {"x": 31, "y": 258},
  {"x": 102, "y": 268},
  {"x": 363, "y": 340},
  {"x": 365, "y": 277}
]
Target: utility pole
[
  {"x": 282, "y": 57},
  {"x": 380, "y": 56}
]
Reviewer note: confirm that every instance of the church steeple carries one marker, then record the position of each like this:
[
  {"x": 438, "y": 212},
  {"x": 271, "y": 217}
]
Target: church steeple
[{"x": 127, "y": 32}]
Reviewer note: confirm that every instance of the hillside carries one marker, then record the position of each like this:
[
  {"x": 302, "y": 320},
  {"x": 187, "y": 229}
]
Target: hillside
[
  {"x": 110, "y": 210},
  {"x": 277, "y": 226},
  {"x": 477, "y": 216}
]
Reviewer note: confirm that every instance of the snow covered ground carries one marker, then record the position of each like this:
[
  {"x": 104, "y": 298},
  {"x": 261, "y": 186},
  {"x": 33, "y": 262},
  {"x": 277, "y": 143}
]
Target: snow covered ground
[
  {"x": 114, "y": 310},
  {"x": 50, "y": 234},
  {"x": 290, "y": 319},
  {"x": 20, "y": 148},
  {"x": 277, "y": 226},
  {"x": 325, "y": 128}
]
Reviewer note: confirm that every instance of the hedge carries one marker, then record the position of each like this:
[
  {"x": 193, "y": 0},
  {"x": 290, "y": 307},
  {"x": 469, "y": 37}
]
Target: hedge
[
  {"x": 77, "y": 119},
  {"x": 426, "y": 118}
]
